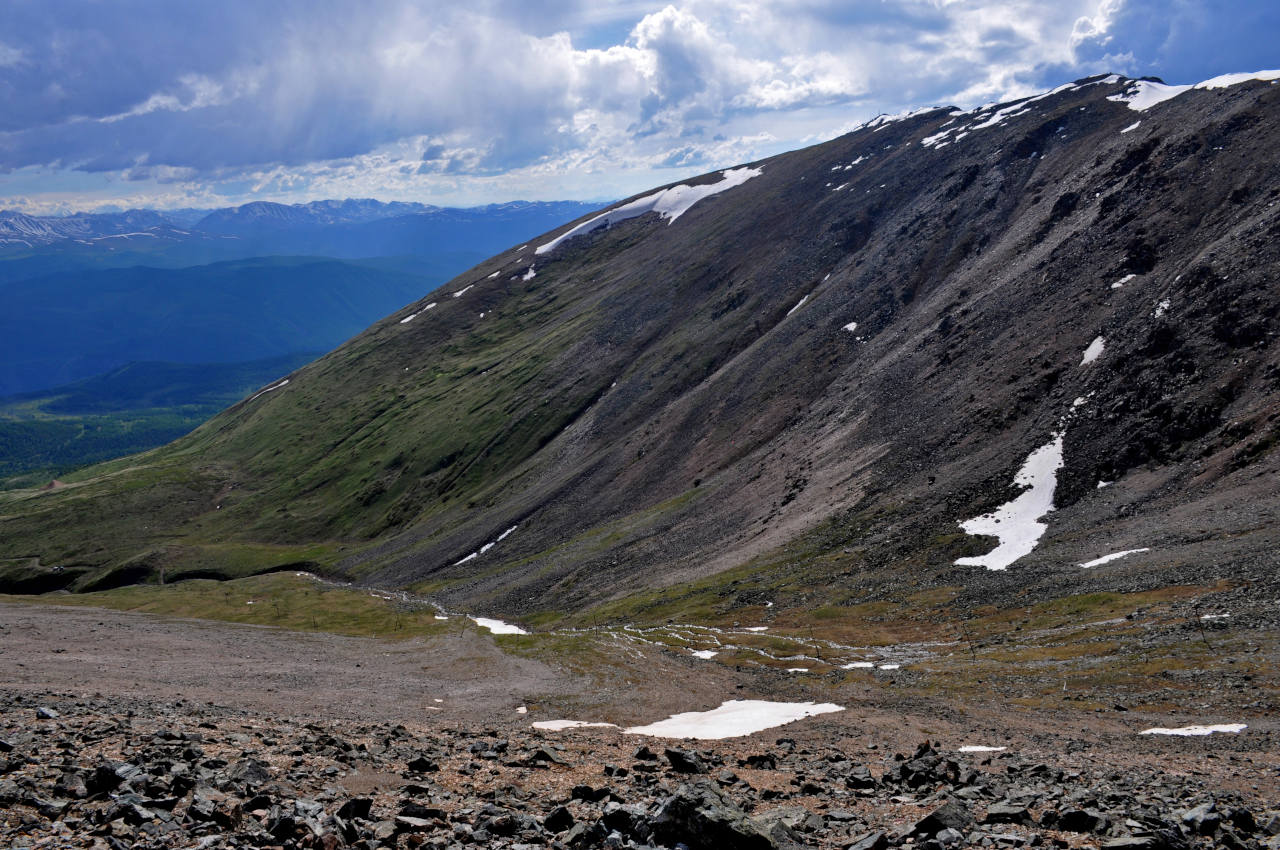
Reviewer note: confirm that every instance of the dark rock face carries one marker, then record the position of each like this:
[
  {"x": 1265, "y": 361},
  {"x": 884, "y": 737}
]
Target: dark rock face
[
  {"x": 702, "y": 818},
  {"x": 950, "y": 815}
]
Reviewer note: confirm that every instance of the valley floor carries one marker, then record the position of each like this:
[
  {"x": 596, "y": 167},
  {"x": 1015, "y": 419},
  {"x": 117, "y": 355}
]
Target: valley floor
[{"x": 182, "y": 733}]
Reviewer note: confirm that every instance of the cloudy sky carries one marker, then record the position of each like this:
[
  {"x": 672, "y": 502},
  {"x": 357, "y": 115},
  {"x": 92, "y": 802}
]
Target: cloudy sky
[{"x": 180, "y": 104}]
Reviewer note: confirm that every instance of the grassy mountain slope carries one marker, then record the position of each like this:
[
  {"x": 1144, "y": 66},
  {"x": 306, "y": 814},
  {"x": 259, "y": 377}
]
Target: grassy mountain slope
[
  {"x": 794, "y": 392},
  {"x": 133, "y": 408}
]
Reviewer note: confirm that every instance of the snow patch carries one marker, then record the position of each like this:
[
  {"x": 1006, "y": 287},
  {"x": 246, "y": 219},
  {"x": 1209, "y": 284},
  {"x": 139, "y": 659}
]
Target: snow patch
[
  {"x": 522, "y": 709},
  {"x": 1017, "y": 523},
  {"x": 560, "y": 725},
  {"x": 1196, "y": 731},
  {"x": 1122, "y": 281},
  {"x": 705, "y": 654},
  {"x": 851, "y": 327},
  {"x": 732, "y": 719},
  {"x": 1093, "y": 352},
  {"x": 1162, "y": 308},
  {"x": 463, "y": 290},
  {"x": 497, "y": 626},
  {"x": 1225, "y": 80},
  {"x": 487, "y": 546},
  {"x": 1114, "y": 556},
  {"x": 979, "y": 748},
  {"x": 755, "y": 628},
  {"x": 858, "y": 665},
  {"x": 1144, "y": 94},
  {"x": 1214, "y": 616},
  {"x": 669, "y": 203},
  {"x": 269, "y": 389},
  {"x": 890, "y": 666},
  {"x": 1131, "y": 127},
  {"x": 799, "y": 304},
  {"x": 407, "y": 319},
  {"x": 530, "y": 274}
]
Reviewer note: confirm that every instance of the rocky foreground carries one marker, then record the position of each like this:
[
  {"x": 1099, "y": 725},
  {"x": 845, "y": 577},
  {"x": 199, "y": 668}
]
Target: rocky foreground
[{"x": 118, "y": 773}]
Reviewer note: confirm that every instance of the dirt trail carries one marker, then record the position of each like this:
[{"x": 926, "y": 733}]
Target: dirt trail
[{"x": 263, "y": 669}]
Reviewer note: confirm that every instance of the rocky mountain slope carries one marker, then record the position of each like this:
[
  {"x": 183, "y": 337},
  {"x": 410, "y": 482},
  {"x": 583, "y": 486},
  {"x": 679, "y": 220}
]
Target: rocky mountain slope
[{"x": 792, "y": 388}]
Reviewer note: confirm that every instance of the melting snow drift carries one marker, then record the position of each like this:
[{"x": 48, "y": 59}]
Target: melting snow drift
[
  {"x": 732, "y": 719},
  {"x": 1196, "y": 731},
  {"x": 1114, "y": 556},
  {"x": 497, "y": 626},
  {"x": 407, "y": 319},
  {"x": 559, "y": 725},
  {"x": 1017, "y": 523},
  {"x": 669, "y": 203},
  {"x": 1093, "y": 352},
  {"x": 1144, "y": 94},
  {"x": 979, "y": 748},
  {"x": 269, "y": 389}
]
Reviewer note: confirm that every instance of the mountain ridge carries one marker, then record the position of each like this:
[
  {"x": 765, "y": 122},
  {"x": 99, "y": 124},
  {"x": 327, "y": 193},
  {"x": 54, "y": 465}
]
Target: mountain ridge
[{"x": 797, "y": 392}]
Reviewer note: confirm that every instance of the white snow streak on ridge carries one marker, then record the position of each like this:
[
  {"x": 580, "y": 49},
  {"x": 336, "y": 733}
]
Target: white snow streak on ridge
[
  {"x": 269, "y": 389},
  {"x": 1196, "y": 731},
  {"x": 1144, "y": 94},
  {"x": 1122, "y": 281},
  {"x": 1114, "y": 556},
  {"x": 1017, "y": 523},
  {"x": 705, "y": 654},
  {"x": 1131, "y": 127},
  {"x": 732, "y": 719},
  {"x": 407, "y": 319},
  {"x": 668, "y": 203},
  {"x": 1093, "y": 352},
  {"x": 799, "y": 304},
  {"x": 979, "y": 748},
  {"x": 497, "y": 626},
  {"x": 486, "y": 547}
]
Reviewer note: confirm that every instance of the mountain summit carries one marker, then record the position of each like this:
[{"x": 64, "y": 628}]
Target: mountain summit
[{"x": 1007, "y": 354}]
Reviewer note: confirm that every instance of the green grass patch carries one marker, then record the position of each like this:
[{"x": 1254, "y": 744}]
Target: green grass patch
[{"x": 281, "y": 600}]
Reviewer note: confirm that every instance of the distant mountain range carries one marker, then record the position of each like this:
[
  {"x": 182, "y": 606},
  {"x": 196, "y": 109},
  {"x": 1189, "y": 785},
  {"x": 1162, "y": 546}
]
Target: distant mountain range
[
  {"x": 34, "y": 245},
  {"x": 86, "y": 293},
  {"x": 68, "y": 326}
]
